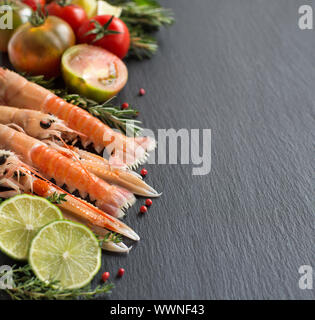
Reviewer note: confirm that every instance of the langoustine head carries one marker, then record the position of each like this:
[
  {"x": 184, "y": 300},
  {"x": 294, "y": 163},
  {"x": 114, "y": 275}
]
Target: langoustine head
[
  {"x": 36, "y": 124},
  {"x": 13, "y": 177},
  {"x": 48, "y": 126}
]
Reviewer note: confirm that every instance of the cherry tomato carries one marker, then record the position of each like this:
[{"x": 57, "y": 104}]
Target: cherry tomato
[
  {"x": 21, "y": 13},
  {"x": 71, "y": 13},
  {"x": 110, "y": 33},
  {"x": 38, "y": 49},
  {"x": 35, "y": 3}
]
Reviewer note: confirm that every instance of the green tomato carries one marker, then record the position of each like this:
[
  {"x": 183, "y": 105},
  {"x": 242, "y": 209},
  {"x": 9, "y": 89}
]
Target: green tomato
[
  {"x": 93, "y": 72},
  {"x": 21, "y": 14},
  {"x": 89, "y": 6}
]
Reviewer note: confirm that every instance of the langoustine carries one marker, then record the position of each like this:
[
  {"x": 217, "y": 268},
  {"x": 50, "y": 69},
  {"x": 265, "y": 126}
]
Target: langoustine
[
  {"x": 44, "y": 126},
  {"x": 101, "y": 168},
  {"x": 19, "y": 178},
  {"x": 16, "y": 91},
  {"x": 64, "y": 171}
]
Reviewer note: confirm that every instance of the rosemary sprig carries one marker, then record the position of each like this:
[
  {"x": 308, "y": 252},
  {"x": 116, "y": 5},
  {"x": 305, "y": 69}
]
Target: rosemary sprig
[
  {"x": 142, "y": 45},
  {"x": 40, "y": 80},
  {"x": 26, "y": 286},
  {"x": 107, "y": 112},
  {"x": 147, "y": 14},
  {"x": 113, "y": 237},
  {"x": 57, "y": 198},
  {"x": 110, "y": 237}
]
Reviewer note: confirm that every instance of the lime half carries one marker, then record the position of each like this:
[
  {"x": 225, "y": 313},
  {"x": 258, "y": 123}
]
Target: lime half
[
  {"x": 20, "y": 219},
  {"x": 66, "y": 252}
]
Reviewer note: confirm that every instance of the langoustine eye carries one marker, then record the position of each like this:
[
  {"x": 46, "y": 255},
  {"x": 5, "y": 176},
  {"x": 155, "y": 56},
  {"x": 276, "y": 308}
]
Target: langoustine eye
[
  {"x": 3, "y": 159},
  {"x": 46, "y": 124}
]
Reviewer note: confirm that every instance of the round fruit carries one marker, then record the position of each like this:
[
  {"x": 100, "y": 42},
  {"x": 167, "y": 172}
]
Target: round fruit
[
  {"x": 20, "y": 219},
  {"x": 37, "y": 50},
  {"x": 35, "y": 4},
  {"x": 89, "y": 6},
  {"x": 93, "y": 72},
  {"x": 21, "y": 13},
  {"x": 70, "y": 13},
  {"x": 107, "y": 32},
  {"x": 67, "y": 252}
]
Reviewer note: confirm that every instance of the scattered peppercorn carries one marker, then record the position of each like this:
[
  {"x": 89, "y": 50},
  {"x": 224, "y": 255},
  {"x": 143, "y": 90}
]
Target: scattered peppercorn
[
  {"x": 143, "y": 209},
  {"x": 144, "y": 172},
  {"x": 105, "y": 276},
  {"x": 142, "y": 92},
  {"x": 148, "y": 202},
  {"x": 125, "y": 106},
  {"x": 121, "y": 272}
]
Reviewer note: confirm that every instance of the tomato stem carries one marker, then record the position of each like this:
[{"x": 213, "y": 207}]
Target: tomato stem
[
  {"x": 64, "y": 3},
  {"x": 39, "y": 16},
  {"x": 101, "y": 31}
]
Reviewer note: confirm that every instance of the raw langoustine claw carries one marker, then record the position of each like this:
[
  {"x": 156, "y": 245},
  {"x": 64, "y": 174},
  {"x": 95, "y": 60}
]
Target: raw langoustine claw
[
  {"x": 101, "y": 168},
  {"x": 91, "y": 215},
  {"x": 63, "y": 170},
  {"x": 18, "y": 92},
  {"x": 17, "y": 177}
]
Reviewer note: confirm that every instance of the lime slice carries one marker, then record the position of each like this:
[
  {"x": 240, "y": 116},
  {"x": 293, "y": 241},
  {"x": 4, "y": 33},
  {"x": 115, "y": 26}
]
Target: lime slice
[
  {"x": 104, "y": 8},
  {"x": 20, "y": 219},
  {"x": 67, "y": 252}
]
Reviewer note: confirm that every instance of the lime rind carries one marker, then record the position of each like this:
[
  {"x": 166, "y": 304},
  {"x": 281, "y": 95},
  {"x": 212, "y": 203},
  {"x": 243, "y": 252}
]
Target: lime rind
[{"x": 65, "y": 251}]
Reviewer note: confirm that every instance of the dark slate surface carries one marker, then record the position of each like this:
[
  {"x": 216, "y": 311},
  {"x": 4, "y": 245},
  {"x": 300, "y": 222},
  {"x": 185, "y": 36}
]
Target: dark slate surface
[{"x": 245, "y": 70}]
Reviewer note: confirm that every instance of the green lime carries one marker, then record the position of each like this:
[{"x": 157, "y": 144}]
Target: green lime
[
  {"x": 67, "y": 252},
  {"x": 20, "y": 219}
]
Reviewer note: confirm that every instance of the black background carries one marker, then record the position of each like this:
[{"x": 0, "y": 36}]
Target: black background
[{"x": 243, "y": 69}]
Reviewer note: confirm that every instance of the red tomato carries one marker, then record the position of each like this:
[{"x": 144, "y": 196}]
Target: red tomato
[
  {"x": 107, "y": 32},
  {"x": 71, "y": 13},
  {"x": 35, "y": 3}
]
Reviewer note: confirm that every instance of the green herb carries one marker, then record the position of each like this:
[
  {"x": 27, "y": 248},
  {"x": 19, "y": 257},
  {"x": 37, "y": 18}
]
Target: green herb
[
  {"x": 1, "y": 200},
  {"x": 57, "y": 198},
  {"x": 40, "y": 80},
  {"x": 111, "y": 237},
  {"x": 107, "y": 112},
  {"x": 142, "y": 45},
  {"x": 147, "y": 15},
  {"x": 142, "y": 17},
  {"x": 26, "y": 286}
]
